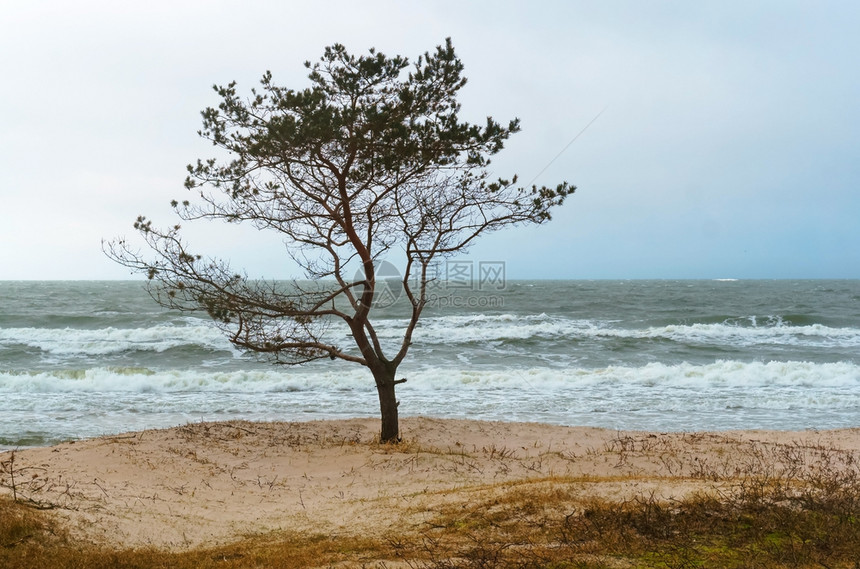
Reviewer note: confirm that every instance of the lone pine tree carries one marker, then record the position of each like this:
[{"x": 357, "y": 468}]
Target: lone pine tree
[{"x": 369, "y": 162}]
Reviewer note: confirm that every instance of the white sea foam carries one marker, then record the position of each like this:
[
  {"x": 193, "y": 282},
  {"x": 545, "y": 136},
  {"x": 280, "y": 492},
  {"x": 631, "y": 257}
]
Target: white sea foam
[
  {"x": 479, "y": 327},
  {"x": 731, "y": 334},
  {"x": 448, "y": 330},
  {"x": 725, "y": 394},
  {"x": 654, "y": 376},
  {"x": 107, "y": 341},
  {"x": 141, "y": 380},
  {"x": 734, "y": 332}
]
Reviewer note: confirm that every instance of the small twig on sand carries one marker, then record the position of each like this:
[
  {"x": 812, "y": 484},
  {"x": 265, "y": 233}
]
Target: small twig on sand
[{"x": 99, "y": 486}]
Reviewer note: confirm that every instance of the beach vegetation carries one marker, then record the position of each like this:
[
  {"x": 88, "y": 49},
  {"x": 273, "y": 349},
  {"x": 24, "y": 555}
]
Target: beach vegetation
[
  {"x": 368, "y": 167},
  {"x": 536, "y": 525},
  {"x": 768, "y": 506}
]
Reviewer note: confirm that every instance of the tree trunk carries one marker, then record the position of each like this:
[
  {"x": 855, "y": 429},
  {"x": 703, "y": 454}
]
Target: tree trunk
[{"x": 388, "y": 403}]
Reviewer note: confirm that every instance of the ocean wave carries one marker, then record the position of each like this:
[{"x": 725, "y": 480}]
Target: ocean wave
[
  {"x": 464, "y": 330},
  {"x": 480, "y": 327},
  {"x": 731, "y": 334},
  {"x": 109, "y": 341},
  {"x": 727, "y": 373},
  {"x": 144, "y": 380},
  {"x": 343, "y": 378},
  {"x": 731, "y": 331},
  {"x": 730, "y": 373}
]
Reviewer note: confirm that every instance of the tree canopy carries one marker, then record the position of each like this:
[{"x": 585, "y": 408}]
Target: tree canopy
[{"x": 370, "y": 162}]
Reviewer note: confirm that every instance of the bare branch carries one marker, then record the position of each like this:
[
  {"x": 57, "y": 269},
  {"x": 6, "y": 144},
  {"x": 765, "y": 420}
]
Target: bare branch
[{"x": 369, "y": 160}]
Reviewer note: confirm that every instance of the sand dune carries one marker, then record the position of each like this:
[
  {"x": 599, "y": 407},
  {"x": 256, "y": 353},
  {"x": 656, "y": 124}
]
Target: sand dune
[{"x": 209, "y": 483}]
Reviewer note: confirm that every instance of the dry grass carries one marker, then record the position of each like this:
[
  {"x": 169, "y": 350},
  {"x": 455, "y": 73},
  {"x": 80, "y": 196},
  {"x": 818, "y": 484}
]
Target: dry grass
[
  {"x": 757, "y": 505},
  {"x": 771, "y": 506},
  {"x": 30, "y": 540},
  {"x": 546, "y": 525}
]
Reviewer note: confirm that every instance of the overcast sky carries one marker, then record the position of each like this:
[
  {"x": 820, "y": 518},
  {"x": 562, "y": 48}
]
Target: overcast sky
[{"x": 729, "y": 146}]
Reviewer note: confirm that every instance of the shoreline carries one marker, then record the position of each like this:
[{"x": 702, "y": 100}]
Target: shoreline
[
  {"x": 324, "y": 418},
  {"x": 208, "y": 484}
]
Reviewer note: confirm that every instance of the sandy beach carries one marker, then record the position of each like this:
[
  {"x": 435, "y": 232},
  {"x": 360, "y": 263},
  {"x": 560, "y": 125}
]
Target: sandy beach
[{"x": 206, "y": 484}]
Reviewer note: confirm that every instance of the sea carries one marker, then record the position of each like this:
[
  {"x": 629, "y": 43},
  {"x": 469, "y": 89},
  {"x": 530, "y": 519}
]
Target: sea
[{"x": 83, "y": 359}]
